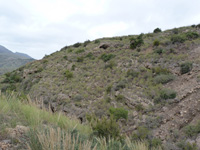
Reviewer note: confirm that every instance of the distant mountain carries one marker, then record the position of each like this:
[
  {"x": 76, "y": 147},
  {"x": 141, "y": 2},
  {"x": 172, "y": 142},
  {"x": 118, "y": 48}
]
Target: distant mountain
[
  {"x": 10, "y": 61},
  {"x": 23, "y": 55}
]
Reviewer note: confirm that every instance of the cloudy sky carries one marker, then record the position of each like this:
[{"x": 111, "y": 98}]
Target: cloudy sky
[{"x": 39, "y": 27}]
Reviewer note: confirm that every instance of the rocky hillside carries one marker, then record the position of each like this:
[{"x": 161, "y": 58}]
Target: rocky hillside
[
  {"x": 10, "y": 61},
  {"x": 154, "y": 76}
]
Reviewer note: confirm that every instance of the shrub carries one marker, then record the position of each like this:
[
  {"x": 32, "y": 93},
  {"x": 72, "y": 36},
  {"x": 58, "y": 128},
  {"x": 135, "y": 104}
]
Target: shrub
[
  {"x": 105, "y": 127},
  {"x": 136, "y": 42},
  {"x": 158, "y": 51},
  {"x": 110, "y": 65},
  {"x": 132, "y": 73},
  {"x": 65, "y": 57},
  {"x": 178, "y": 39},
  {"x": 70, "y": 50},
  {"x": 186, "y": 67},
  {"x": 68, "y": 74},
  {"x": 175, "y": 31},
  {"x": 139, "y": 107},
  {"x": 80, "y": 59},
  {"x": 12, "y": 78},
  {"x": 156, "y": 43},
  {"x": 107, "y": 57},
  {"x": 118, "y": 113},
  {"x": 167, "y": 94},
  {"x": 187, "y": 146},
  {"x": 192, "y": 35},
  {"x": 77, "y": 98},
  {"x": 90, "y": 56},
  {"x": 108, "y": 89},
  {"x": 159, "y": 70},
  {"x": 192, "y": 130},
  {"x": 120, "y": 98},
  {"x": 157, "y": 30},
  {"x": 97, "y": 41},
  {"x": 120, "y": 85},
  {"x": 73, "y": 67},
  {"x": 86, "y": 43},
  {"x": 163, "y": 78},
  {"x": 142, "y": 133},
  {"x": 80, "y": 51},
  {"x": 77, "y": 44}
]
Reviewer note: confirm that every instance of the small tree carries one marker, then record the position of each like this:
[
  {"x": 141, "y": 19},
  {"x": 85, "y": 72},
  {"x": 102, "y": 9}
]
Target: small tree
[{"x": 157, "y": 30}]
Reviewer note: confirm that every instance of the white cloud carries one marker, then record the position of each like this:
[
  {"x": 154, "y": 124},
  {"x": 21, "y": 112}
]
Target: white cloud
[{"x": 108, "y": 30}]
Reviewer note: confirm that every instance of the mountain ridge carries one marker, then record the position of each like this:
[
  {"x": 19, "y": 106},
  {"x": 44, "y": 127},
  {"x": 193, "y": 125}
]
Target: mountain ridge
[
  {"x": 153, "y": 76},
  {"x": 10, "y": 61}
]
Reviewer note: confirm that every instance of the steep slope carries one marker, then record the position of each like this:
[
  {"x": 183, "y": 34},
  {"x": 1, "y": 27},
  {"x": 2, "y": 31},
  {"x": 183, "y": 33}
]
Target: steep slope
[
  {"x": 10, "y": 61},
  {"x": 155, "y": 76}
]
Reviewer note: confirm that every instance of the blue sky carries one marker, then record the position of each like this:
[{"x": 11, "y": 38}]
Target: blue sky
[{"x": 39, "y": 27}]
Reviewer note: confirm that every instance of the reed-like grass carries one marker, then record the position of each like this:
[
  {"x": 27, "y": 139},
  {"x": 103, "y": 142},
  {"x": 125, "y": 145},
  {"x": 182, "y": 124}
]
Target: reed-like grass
[{"x": 55, "y": 131}]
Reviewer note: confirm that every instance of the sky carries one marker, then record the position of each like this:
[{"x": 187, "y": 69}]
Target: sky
[{"x": 41, "y": 27}]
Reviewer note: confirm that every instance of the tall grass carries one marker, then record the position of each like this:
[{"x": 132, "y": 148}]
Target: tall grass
[
  {"x": 55, "y": 131},
  {"x": 34, "y": 117}
]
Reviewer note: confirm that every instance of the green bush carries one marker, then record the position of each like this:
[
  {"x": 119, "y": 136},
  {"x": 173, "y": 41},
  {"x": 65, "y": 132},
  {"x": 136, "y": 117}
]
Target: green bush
[
  {"x": 175, "y": 31},
  {"x": 77, "y": 98},
  {"x": 139, "y": 107},
  {"x": 80, "y": 59},
  {"x": 105, "y": 127},
  {"x": 97, "y": 41},
  {"x": 136, "y": 42},
  {"x": 90, "y": 56},
  {"x": 159, "y": 70},
  {"x": 65, "y": 57},
  {"x": 156, "y": 43},
  {"x": 132, "y": 73},
  {"x": 12, "y": 78},
  {"x": 192, "y": 130},
  {"x": 107, "y": 57},
  {"x": 86, "y": 43},
  {"x": 186, "y": 67},
  {"x": 77, "y": 44},
  {"x": 80, "y": 51},
  {"x": 192, "y": 35},
  {"x": 157, "y": 30},
  {"x": 178, "y": 39},
  {"x": 167, "y": 94},
  {"x": 158, "y": 51},
  {"x": 110, "y": 65},
  {"x": 118, "y": 113},
  {"x": 142, "y": 133},
  {"x": 120, "y": 98},
  {"x": 120, "y": 85},
  {"x": 187, "y": 146},
  {"x": 68, "y": 74},
  {"x": 163, "y": 78}
]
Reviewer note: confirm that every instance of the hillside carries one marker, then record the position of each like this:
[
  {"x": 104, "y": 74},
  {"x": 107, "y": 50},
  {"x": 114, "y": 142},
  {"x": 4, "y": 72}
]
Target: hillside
[
  {"x": 10, "y": 61},
  {"x": 154, "y": 76}
]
